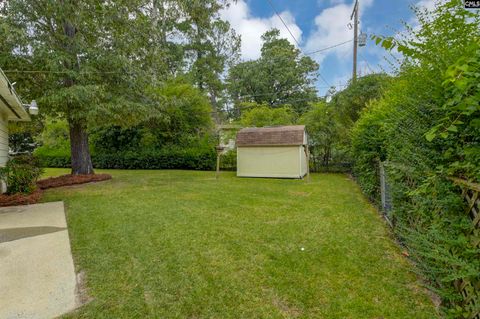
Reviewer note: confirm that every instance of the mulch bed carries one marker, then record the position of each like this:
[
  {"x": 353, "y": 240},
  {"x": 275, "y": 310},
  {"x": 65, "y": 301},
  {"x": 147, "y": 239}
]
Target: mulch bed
[
  {"x": 20, "y": 199},
  {"x": 67, "y": 180},
  {"x": 64, "y": 180}
]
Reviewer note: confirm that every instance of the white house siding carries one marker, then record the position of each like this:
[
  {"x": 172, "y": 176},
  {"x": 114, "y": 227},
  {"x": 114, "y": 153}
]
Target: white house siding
[
  {"x": 3, "y": 141},
  {"x": 269, "y": 161}
]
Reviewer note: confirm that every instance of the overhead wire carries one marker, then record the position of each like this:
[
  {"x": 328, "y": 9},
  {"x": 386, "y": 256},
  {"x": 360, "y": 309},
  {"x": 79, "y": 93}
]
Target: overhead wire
[
  {"x": 64, "y": 72},
  {"x": 275, "y": 59},
  {"x": 366, "y": 61},
  {"x": 329, "y": 85},
  {"x": 283, "y": 22},
  {"x": 295, "y": 39},
  {"x": 328, "y": 48}
]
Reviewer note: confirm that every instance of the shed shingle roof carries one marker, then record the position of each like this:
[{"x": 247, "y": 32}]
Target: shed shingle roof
[{"x": 269, "y": 136}]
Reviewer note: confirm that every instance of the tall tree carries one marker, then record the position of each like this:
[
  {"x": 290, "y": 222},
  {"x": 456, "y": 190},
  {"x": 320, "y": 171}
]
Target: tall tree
[
  {"x": 263, "y": 115},
  {"x": 97, "y": 61},
  {"x": 212, "y": 46},
  {"x": 349, "y": 103},
  {"x": 281, "y": 76},
  {"x": 83, "y": 54}
]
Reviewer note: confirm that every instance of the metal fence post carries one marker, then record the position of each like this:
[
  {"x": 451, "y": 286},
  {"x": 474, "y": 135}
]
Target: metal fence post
[{"x": 385, "y": 192}]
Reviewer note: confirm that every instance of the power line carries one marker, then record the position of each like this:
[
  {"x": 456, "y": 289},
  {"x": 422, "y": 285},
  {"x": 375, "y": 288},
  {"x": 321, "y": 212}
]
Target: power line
[
  {"x": 63, "y": 72},
  {"x": 293, "y": 37},
  {"x": 274, "y": 59},
  {"x": 324, "y": 80},
  {"x": 283, "y": 22},
  {"x": 327, "y": 48},
  {"x": 366, "y": 61},
  {"x": 280, "y": 92}
]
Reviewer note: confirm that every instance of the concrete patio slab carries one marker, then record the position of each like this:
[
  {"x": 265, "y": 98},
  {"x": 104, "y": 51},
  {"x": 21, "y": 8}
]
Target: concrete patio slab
[{"x": 37, "y": 276}]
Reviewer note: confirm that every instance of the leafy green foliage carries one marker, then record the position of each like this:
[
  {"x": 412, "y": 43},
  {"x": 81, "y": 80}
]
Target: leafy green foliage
[
  {"x": 228, "y": 161},
  {"x": 349, "y": 103},
  {"x": 425, "y": 127},
  {"x": 21, "y": 136},
  {"x": 190, "y": 159},
  {"x": 185, "y": 121},
  {"x": 117, "y": 139},
  {"x": 329, "y": 124},
  {"x": 460, "y": 126},
  {"x": 21, "y": 142},
  {"x": 263, "y": 115},
  {"x": 100, "y": 63},
  {"x": 54, "y": 137},
  {"x": 21, "y": 174},
  {"x": 368, "y": 146},
  {"x": 279, "y": 77},
  {"x": 324, "y": 134},
  {"x": 186, "y": 114}
]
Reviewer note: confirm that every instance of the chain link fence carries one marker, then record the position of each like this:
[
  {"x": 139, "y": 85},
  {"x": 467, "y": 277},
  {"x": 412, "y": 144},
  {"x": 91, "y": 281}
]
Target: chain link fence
[{"x": 385, "y": 193}]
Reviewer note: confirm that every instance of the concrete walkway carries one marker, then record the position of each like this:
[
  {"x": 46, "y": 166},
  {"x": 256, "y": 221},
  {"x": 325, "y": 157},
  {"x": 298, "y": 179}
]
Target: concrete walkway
[{"x": 37, "y": 276}]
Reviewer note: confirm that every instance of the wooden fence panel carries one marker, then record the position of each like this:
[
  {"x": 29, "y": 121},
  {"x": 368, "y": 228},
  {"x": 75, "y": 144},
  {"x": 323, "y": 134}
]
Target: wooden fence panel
[{"x": 470, "y": 289}]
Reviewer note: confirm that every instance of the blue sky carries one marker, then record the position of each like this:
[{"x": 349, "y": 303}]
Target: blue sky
[{"x": 317, "y": 24}]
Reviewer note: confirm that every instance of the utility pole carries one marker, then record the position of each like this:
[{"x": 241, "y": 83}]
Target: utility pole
[{"x": 354, "y": 16}]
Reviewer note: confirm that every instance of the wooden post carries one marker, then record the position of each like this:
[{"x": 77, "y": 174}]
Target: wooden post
[
  {"x": 218, "y": 166},
  {"x": 219, "y": 152},
  {"x": 354, "y": 15}
]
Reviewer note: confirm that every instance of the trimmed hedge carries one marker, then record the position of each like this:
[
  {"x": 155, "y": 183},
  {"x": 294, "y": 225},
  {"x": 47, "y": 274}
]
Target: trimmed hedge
[{"x": 190, "y": 159}]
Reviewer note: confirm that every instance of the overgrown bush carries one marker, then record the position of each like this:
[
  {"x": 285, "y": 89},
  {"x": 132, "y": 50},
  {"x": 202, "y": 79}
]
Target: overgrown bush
[
  {"x": 427, "y": 128},
  {"x": 368, "y": 143},
  {"x": 21, "y": 174},
  {"x": 192, "y": 159}
]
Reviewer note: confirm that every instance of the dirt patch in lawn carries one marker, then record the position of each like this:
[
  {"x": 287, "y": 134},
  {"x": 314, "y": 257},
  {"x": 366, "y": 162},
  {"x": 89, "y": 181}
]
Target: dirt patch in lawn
[
  {"x": 67, "y": 180},
  {"x": 20, "y": 199}
]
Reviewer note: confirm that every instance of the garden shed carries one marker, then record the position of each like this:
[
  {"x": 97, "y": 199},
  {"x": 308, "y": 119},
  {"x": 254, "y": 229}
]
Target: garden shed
[
  {"x": 11, "y": 109},
  {"x": 279, "y": 152}
]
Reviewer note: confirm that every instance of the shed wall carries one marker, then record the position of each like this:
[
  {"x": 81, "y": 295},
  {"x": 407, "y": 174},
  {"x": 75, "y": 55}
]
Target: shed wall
[{"x": 269, "y": 161}]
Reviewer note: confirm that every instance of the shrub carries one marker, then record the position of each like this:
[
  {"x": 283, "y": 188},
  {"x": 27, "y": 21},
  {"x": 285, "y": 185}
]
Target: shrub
[
  {"x": 427, "y": 127},
  {"x": 368, "y": 140},
  {"x": 192, "y": 159},
  {"x": 51, "y": 157},
  {"x": 228, "y": 161},
  {"x": 21, "y": 174}
]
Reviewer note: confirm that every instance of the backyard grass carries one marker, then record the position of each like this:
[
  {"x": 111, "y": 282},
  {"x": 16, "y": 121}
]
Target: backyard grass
[{"x": 180, "y": 244}]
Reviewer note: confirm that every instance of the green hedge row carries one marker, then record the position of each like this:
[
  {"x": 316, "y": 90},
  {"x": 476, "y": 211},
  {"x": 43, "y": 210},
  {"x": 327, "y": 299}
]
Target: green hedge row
[
  {"x": 163, "y": 159},
  {"x": 228, "y": 161}
]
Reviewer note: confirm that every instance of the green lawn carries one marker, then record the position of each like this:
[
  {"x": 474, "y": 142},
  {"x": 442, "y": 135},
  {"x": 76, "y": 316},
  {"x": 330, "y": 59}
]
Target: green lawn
[{"x": 180, "y": 244}]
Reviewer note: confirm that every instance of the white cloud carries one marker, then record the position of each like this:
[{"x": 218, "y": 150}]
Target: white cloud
[
  {"x": 427, "y": 4},
  {"x": 251, "y": 28},
  {"x": 331, "y": 28}
]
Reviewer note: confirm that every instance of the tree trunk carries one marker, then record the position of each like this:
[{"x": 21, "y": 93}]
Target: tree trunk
[
  {"x": 80, "y": 153},
  {"x": 81, "y": 160}
]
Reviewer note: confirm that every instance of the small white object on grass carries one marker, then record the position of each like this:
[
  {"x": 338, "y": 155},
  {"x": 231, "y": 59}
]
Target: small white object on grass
[{"x": 302, "y": 249}]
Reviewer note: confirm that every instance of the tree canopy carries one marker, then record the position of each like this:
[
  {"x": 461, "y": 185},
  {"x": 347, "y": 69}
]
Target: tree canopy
[
  {"x": 280, "y": 77},
  {"x": 263, "y": 115},
  {"x": 95, "y": 62}
]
